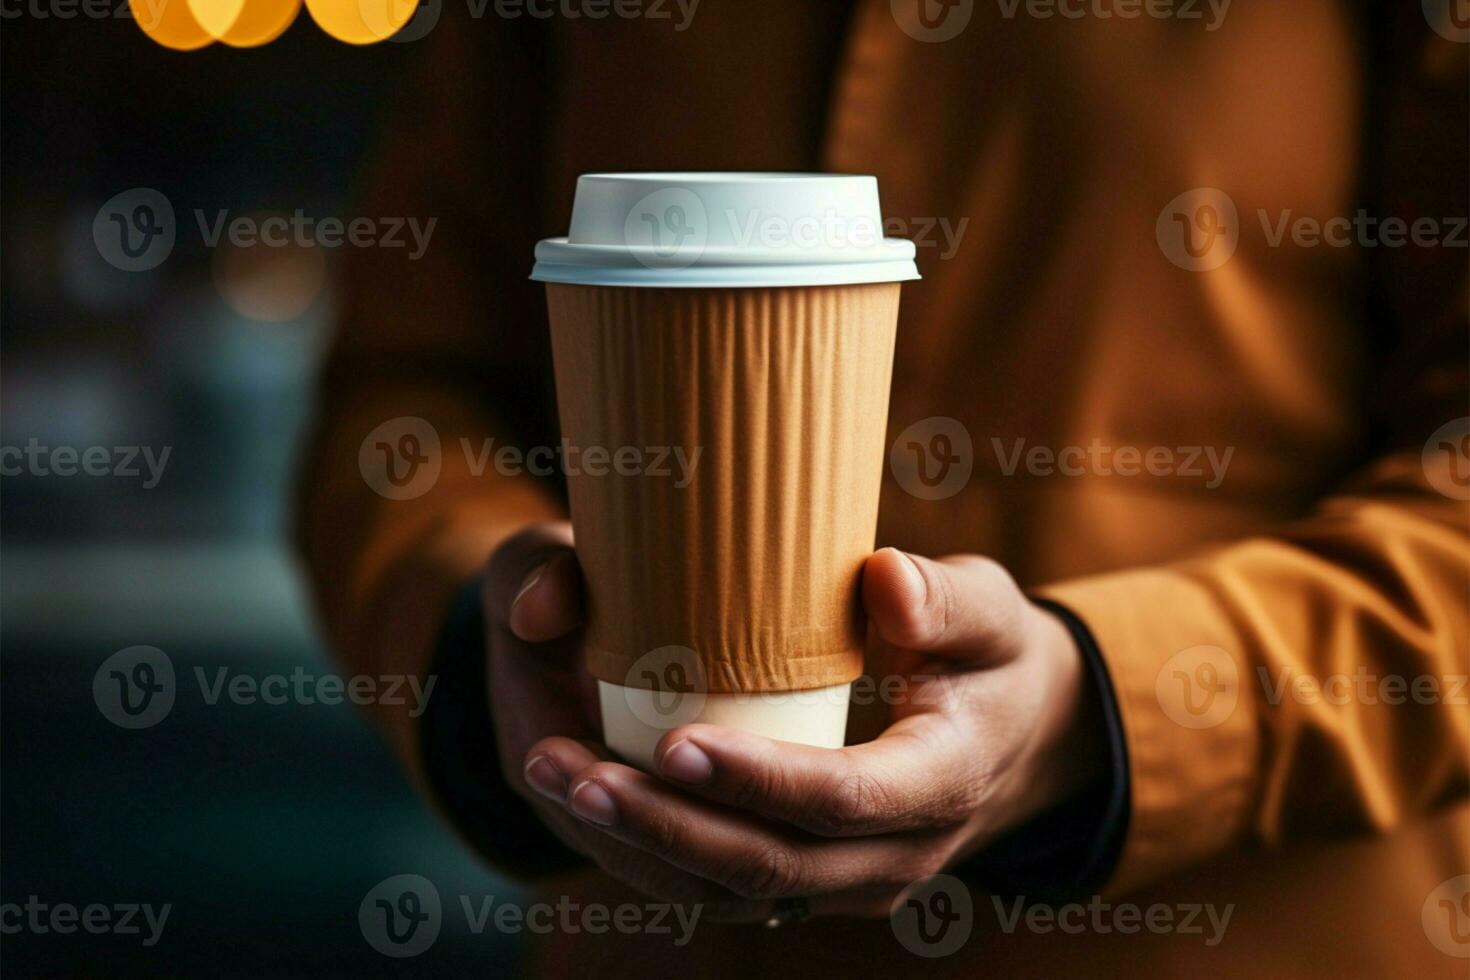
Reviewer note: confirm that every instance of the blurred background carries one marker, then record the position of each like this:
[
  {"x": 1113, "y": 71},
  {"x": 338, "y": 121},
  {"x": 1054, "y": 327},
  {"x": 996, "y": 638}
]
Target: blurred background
[{"x": 263, "y": 825}]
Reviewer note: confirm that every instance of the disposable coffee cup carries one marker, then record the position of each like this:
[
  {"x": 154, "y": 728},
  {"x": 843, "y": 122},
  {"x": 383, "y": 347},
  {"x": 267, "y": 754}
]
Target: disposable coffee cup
[{"x": 723, "y": 347}]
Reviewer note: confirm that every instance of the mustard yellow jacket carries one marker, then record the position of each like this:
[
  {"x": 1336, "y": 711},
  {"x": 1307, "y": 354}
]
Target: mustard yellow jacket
[{"x": 1114, "y": 217}]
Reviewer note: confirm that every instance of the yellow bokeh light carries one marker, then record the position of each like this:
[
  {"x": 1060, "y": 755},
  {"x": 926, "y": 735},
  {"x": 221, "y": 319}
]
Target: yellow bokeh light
[
  {"x": 170, "y": 23},
  {"x": 361, "y": 21},
  {"x": 244, "y": 23}
]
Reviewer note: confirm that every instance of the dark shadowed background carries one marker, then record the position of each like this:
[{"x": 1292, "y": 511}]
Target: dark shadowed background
[{"x": 263, "y": 825}]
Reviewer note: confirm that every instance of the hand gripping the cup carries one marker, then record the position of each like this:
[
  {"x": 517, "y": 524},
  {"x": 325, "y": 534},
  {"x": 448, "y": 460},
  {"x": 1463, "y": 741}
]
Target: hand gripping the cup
[
  {"x": 532, "y": 597},
  {"x": 993, "y": 725}
]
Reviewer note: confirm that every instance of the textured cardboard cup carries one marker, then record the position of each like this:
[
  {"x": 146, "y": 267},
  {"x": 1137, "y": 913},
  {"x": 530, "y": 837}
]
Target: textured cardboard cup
[{"x": 748, "y": 555}]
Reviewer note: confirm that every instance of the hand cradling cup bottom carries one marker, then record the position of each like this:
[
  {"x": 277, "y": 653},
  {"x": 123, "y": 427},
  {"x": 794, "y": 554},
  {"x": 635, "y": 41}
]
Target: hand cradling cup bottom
[{"x": 635, "y": 719}]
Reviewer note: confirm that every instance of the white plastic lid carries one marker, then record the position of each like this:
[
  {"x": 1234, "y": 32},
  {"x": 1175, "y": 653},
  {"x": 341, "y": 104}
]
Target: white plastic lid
[{"x": 690, "y": 230}]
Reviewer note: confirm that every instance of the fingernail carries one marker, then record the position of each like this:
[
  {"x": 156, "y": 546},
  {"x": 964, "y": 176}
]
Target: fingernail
[
  {"x": 918, "y": 588},
  {"x": 591, "y": 802},
  {"x": 530, "y": 582},
  {"x": 543, "y": 776},
  {"x": 687, "y": 763}
]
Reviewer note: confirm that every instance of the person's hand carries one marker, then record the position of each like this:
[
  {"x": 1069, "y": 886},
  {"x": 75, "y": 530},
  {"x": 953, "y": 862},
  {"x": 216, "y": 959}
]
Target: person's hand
[
  {"x": 993, "y": 725},
  {"x": 538, "y": 686}
]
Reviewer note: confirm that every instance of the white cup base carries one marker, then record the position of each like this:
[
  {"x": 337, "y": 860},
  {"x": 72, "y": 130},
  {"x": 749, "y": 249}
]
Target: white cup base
[{"x": 633, "y": 719}]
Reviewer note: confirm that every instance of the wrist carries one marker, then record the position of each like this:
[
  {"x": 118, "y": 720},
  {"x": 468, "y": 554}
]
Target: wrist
[
  {"x": 1071, "y": 848},
  {"x": 1071, "y": 737}
]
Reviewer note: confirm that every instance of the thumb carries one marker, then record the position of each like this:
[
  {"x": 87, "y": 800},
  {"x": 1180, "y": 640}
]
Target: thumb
[
  {"x": 959, "y": 604},
  {"x": 548, "y": 603},
  {"x": 533, "y": 584}
]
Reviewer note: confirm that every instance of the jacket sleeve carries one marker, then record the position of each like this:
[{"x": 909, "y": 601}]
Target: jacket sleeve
[
  {"x": 1311, "y": 680},
  {"x": 425, "y": 347}
]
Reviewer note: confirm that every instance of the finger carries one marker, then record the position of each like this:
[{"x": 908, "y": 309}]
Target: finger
[
  {"x": 962, "y": 604},
  {"x": 752, "y": 858},
  {"x": 516, "y": 561},
  {"x": 923, "y": 772},
  {"x": 551, "y": 673},
  {"x": 548, "y": 604},
  {"x": 545, "y": 766},
  {"x": 550, "y": 761}
]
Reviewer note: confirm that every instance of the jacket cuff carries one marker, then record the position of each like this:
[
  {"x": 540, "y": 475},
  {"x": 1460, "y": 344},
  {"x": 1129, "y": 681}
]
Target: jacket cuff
[
  {"x": 460, "y": 761},
  {"x": 1071, "y": 850},
  {"x": 1189, "y": 728}
]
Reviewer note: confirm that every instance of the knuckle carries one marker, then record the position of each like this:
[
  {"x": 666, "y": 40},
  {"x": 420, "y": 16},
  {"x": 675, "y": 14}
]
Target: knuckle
[
  {"x": 971, "y": 793},
  {"x": 756, "y": 787},
  {"x": 927, "y": 623},
  {"x": 948, "y": 807},
  {"x": 773, "y": 871},
  {"x": 1003, "y": 600},
  {"x": 990, "y": 571},
  {"x": 913, "y": 627},
  {"x": 856, "y": 800},
  {"x": 953, "y": 808},
  {"x": 602, "y": 771},
  {"x": 941, "y": 605},
  {"x": 660, "y": 833},
  {"x": 955, "y": 796}
]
